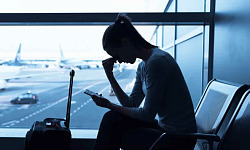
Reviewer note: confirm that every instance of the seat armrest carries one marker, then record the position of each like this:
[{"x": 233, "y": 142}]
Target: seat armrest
[
  {"x": 209, "y": 137},
  {"x": 212, "y": 137}
]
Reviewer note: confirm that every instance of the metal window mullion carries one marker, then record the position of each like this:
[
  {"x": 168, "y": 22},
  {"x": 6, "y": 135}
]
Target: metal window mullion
[
  {"x": 203, "y": 52},
  {"x": 156, "y": 35},
  {"x": 168, "y": 5},
  {"x": 203, "y": 57},
  {"x": 162, "y": 37},
  {"x": 175, "y": 32},
  {"x": 174, "y": 47},
  {"x": 211, "y": 41}
]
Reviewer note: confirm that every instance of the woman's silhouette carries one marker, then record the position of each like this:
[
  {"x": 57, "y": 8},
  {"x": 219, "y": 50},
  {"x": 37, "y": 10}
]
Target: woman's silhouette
[{"x": 158, "y": 80}]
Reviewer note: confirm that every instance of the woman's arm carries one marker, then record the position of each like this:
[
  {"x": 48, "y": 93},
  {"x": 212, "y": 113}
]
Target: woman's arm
[
  {"x": 135, "y": 99},
  {"x": 156, "y": 77},
  {"x": 120, "y": 94},
  {"x": 108, "y": 65}
]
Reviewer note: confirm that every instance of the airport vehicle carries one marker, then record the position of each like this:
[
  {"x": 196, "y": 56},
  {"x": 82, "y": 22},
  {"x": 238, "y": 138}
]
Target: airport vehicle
[{"x": 26, "y": 98}]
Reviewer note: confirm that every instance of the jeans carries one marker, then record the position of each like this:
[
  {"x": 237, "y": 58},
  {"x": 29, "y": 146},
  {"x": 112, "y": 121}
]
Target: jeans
[{"x": 119, "y": 131}]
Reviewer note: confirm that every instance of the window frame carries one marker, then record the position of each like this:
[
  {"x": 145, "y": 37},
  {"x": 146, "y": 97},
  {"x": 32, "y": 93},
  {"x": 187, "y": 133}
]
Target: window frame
[
  {"x": 189, "y": 18},
  {"x": 80, "y": 19}
]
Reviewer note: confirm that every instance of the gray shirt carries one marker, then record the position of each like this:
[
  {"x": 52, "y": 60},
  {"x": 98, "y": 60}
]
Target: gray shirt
[{"x": 159, "y": 80}]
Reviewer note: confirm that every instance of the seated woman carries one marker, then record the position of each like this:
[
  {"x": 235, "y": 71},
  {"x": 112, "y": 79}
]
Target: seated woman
[{"x": 158, "y": 80}]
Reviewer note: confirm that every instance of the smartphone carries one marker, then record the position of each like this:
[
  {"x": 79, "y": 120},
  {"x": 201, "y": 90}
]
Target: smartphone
[{"x": 91, "y": 93}]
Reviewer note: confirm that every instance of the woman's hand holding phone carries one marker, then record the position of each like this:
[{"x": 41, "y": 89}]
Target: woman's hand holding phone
[
  {"x": 98, "y": 99},
  {"x": 101, "y": 101}
]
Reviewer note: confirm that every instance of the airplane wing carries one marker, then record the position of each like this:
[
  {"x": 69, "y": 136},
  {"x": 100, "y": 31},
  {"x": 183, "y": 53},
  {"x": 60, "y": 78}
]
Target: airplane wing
[
  {"x": 12, "y": 72},
  {"x": 3, "y": 62},
  {"x": 24, "y": 76}
]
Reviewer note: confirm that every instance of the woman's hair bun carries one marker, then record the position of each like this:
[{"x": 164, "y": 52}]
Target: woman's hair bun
[
  {"x": 123, "y": 28},
  {"x": 122, "y": 18}
]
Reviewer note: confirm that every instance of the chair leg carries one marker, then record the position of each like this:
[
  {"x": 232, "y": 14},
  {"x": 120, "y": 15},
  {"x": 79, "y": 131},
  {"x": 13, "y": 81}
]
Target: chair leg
[{"x": 210, "y": 144}]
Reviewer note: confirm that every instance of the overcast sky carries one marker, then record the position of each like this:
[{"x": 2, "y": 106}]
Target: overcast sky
[{"x": 75, "y": 41}]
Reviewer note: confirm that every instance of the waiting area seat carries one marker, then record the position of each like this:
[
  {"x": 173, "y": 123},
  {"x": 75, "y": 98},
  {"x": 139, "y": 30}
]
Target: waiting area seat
[
  {"x": 213, "y": 114},
  {"x": 238, "y": 134}
]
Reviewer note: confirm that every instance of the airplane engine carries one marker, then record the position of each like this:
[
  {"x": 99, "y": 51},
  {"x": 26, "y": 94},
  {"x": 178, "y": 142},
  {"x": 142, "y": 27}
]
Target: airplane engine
[{"x": 3, "y": 84}]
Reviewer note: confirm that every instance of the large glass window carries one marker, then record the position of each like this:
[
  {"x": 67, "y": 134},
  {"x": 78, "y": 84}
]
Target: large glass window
[
  {"x": 168, "y": 35},
  {"x": 190, "y": 5},
  {"x": 35, "y": 61},
  {"x": 188, "y": 45},
  {"x": 189, "y": 56},
  {"x": 34, "y": 74},
  {"x": 81, "y": 6}
]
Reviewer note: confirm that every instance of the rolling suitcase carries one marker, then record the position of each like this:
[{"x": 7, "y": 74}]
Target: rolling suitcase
[{"x": 52, "y": 133}]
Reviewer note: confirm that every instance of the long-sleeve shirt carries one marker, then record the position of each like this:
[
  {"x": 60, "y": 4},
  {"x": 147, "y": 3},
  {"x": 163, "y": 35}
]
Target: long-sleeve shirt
[{"x": 159, "y": 80}]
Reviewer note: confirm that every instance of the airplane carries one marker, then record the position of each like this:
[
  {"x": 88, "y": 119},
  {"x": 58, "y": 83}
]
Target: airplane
[
  {"x": 31, "y": 63},
  {"x": 62, "y": 62},
  {"x": 8, "y": 73},
  {"x": 10, "y": 69},
  {"x": 12, "y": 72},
  {"x": 78, "y": 63},
  {"x": 16, "y": 61}
]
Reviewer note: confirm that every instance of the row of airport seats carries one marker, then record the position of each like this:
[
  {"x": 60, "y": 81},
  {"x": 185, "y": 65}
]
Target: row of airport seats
[
  {"x": 223, "y": 119},
  {"x": 222, "y": 116}
]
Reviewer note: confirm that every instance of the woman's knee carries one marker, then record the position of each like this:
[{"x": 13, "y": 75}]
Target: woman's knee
[{"x": 112, "y": 117}]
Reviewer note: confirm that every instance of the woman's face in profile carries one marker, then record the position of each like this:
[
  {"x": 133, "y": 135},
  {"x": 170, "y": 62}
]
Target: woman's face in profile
[{"x": 122, "y": 54}]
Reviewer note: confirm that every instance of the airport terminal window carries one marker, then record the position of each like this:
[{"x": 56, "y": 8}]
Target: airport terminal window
[
  {"x": 168, "y": 36},
  {"x": 190, "y": 5},
  {"x": 37, "y": 60},
  {"x": 170, "y": 51},
  {"x": 47, "y": 53},
  {"x": 171, "y": 8},
  {"x": 184, "y": 30},
  {"x": 187, "y": 45},
  {"x": 79, "y": 6},
  {"x": 160, "y": 36},
  {"x": 189, "y": 56}
]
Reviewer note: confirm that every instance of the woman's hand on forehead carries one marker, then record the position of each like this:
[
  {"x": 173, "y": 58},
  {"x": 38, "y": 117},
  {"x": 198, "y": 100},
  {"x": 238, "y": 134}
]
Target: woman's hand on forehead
[{"x": 109, "y": 61}]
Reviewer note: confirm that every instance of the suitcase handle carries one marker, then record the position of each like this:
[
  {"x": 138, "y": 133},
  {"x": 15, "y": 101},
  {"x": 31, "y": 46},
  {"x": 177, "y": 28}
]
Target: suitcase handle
[
  {"x": 53, "y": 120},
  {"x": 66, "y": 123}
]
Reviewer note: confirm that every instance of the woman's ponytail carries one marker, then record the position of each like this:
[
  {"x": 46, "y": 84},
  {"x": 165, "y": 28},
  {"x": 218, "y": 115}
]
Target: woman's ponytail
[
  {"x": 122, "y": 18},
  {"x": 123, "y": 28}
]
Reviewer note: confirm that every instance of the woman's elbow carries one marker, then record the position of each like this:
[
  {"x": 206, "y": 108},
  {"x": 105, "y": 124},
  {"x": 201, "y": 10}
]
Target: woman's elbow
[{"x": 149, "y": 116}]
